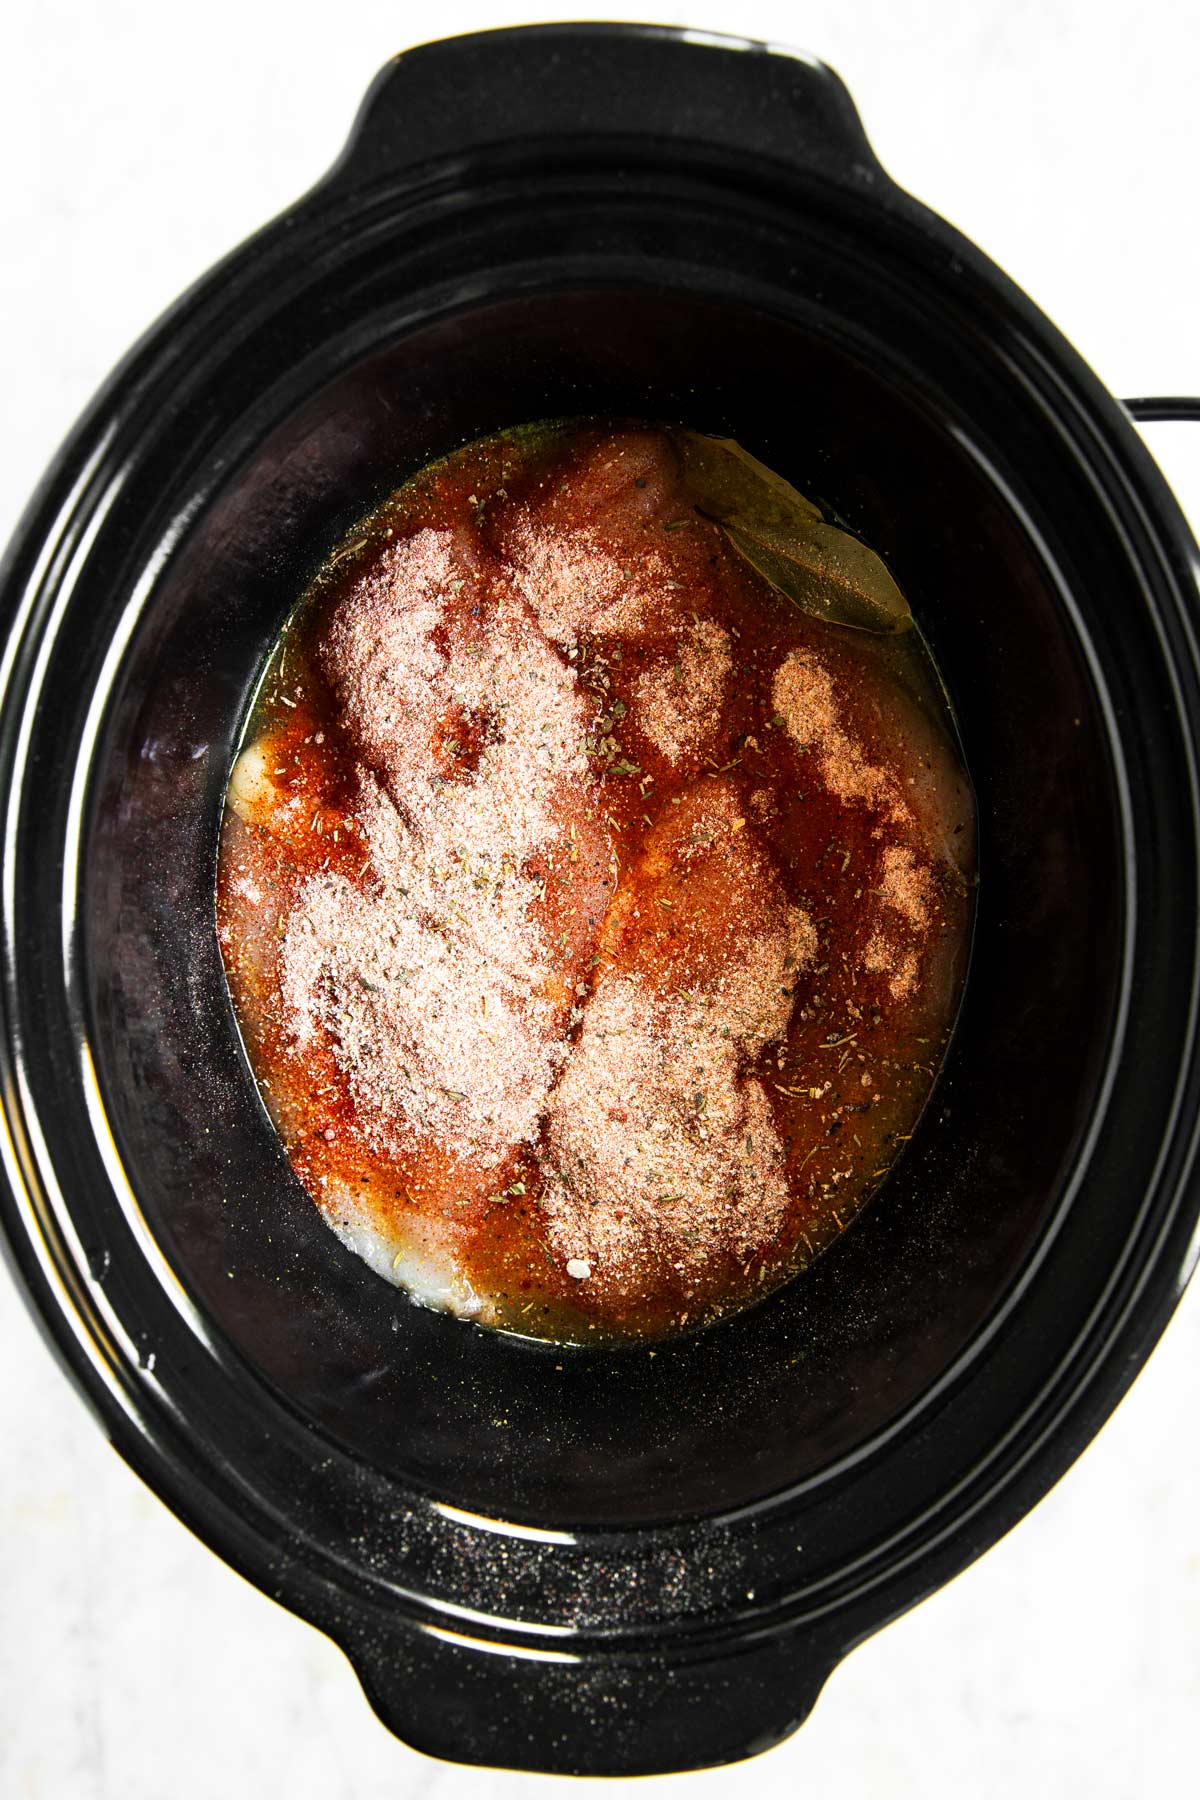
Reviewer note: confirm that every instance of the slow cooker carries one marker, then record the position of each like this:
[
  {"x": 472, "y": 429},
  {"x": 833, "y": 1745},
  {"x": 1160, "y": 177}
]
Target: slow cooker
[{"x": 603, "y": 1561}]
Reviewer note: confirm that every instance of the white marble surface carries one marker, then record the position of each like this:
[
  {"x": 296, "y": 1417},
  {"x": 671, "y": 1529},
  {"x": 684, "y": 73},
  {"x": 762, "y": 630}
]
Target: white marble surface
[{"x": 137, "y": 142}]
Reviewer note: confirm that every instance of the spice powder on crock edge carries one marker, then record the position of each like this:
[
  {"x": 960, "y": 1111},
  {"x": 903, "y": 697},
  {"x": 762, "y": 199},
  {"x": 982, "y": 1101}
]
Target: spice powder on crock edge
[{"x": 595, "y": 919}]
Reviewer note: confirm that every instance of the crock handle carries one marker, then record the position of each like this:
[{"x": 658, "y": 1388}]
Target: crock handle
[
  {"x": 494, "y": 88},
  {"x": 458, "y": 1697},
  {"x": 1150, "y": 410}
]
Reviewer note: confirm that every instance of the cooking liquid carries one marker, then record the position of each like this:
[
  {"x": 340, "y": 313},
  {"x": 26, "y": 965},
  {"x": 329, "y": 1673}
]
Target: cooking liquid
[{"x": 595, "y": 917}]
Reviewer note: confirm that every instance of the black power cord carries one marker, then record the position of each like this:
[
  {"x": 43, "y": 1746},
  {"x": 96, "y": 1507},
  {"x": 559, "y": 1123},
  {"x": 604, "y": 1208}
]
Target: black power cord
[{"x": 1169, "y": 406}]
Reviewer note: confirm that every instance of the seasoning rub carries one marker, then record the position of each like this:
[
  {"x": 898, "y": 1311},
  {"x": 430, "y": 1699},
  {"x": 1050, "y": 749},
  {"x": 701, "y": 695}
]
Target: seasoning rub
[{"x": 595, "y": 907}]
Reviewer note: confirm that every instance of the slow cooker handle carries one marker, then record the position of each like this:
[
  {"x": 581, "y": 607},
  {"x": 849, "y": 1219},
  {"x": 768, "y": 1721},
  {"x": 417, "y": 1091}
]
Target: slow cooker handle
[
  {"x": 492, "y": 89},
  {"x": 454, "y": 1694}
]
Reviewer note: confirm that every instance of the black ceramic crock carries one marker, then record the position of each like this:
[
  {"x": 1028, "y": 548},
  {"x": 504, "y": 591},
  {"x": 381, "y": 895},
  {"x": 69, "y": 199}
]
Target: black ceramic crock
[{"x": 570, "y": 1560}]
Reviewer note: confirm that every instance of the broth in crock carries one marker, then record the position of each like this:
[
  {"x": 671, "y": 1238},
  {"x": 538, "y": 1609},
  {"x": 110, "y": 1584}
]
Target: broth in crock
[{"x": 595, "y": 881}]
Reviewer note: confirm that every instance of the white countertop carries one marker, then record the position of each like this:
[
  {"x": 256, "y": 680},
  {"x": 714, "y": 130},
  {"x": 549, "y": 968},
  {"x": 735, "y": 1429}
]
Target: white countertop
[{"x": 138, "y": 142}]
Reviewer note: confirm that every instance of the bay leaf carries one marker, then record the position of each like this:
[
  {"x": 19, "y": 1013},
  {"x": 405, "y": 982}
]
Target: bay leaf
[{"x": 819, "y": 567}]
